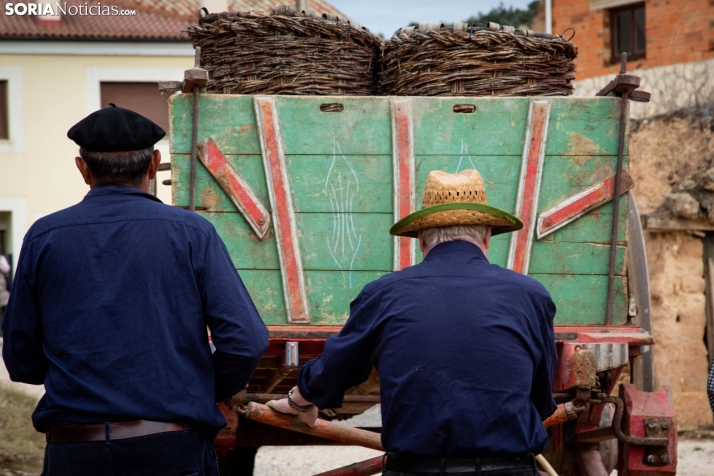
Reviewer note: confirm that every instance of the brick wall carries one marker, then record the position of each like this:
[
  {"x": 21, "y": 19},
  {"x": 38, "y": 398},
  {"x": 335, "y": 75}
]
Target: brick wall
[{"x": 677, "y": 31}]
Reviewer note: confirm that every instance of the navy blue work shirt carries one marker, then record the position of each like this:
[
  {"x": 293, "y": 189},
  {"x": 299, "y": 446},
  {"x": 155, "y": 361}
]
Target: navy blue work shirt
[
  {"x": 109, "y": 311},
  {"x": 465, "y": 352}
]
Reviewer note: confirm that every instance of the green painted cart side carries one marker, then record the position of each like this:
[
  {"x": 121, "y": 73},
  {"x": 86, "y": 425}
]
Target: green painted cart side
[{"x": 340, "y": 170}]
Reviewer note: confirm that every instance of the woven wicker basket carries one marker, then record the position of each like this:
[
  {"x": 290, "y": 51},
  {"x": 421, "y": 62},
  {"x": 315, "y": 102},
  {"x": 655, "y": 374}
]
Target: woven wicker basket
[
  {"x": 431, "y": 60},
  {"x": 286, "y": 52}
]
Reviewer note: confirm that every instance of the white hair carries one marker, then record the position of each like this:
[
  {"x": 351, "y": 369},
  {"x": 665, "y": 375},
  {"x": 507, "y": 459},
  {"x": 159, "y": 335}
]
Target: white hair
[{"x": 442, "y": 234}]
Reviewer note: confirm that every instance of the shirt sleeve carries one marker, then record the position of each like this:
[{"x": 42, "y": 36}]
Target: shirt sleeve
[
  {"x": 22, "y": 328},
  {"x": 541, "y": 391},
  {"x": 347, "y": 359},
  {"x": 237, "y": 330}
]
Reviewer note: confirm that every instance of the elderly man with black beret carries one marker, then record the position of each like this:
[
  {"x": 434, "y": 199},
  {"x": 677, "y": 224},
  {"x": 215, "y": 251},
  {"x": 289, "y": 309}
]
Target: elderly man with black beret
[
  {"x": 110, "y": 309},
  {"x": 465, "y": 349}
]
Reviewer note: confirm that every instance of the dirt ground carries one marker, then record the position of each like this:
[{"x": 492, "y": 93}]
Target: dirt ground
[{"x": 696, "y": 458}]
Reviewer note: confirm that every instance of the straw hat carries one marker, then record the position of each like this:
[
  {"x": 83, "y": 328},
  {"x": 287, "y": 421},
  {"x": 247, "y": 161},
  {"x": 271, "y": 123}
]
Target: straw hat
[{"x": 455, "y": 199}]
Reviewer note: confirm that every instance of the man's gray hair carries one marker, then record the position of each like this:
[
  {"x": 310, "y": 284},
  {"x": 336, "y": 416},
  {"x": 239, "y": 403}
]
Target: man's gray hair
[
  {"x": 127, "y": 167},
  {"x": 442, "y": 234}
]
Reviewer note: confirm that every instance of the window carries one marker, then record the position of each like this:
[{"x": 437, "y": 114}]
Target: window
[
  {"x": 4, "y": 129},
  {"x": 143, "y": 98},
  {"x": 627, "y": 27}
]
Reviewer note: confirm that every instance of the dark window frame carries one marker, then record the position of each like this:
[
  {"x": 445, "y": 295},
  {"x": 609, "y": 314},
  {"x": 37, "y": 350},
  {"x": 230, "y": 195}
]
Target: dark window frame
[
  {"x": 633, "y": 8},
  {"x": 4, "y": 110}
]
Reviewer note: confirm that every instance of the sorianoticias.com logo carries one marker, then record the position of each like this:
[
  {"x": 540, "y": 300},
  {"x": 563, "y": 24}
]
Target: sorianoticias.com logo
[{"x": 57, "y": 9}]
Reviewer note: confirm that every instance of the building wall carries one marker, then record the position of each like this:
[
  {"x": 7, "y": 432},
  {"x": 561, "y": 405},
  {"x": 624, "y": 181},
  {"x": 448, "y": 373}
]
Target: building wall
[
  {"x": 672, "y": 87},
  {"x": 675, "y": 261},
  {"x": 37, "y": 170},
  {"x": 677, "y": 31}
]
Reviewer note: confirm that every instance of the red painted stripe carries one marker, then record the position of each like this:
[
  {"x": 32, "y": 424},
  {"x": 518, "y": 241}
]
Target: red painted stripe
[
  {"x": 405, "y": 179},
  {"x": 286, "y": 232},
  {"x": 593, "y": 198},
  {"x": 233, "y": 184},
  {"x": 530, "y": 186}
]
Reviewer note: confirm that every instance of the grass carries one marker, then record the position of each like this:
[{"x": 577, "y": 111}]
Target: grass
[{"x": 21, "y": 447}]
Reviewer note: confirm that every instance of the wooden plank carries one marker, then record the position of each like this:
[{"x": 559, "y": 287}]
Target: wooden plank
[
  {"x": 404, "y": 173},
  {"x": 329, "y": 294},
  {"x": 581, "y": 204},
  {"x": 326, "y": 183},
  {"x": 580, "y": 299},
  {"x": 579, "y": 126},
  {"x": 318, "y": 180},
  {"x": 246, "y": 250},
  {"x": 575, "y": 258},
  {"x": 565, "y": 176},
  {"x": 266, "y": 290},
  {"x": 346, "y": 242},
  {"x": 362, "y": 128},
  {"x": 209, "y": 195},
  {"x": 528, "y": 195},
  {"x": 495, "y": 128},
  {"x": 229, "y": 119},
  {"x": 595, "y": 227},
  {"x": 283, "y": 212},
  {"x": 584, "y": 126},
  {"x": 669, "y": 223}
]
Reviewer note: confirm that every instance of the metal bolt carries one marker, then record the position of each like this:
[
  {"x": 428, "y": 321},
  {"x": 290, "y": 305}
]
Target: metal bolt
[
  {"x": 261, "y": 221},
  {"x": 548, "y": 222}
]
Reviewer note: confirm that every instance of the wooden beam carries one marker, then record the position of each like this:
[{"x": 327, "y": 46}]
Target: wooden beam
[{"x": 657, "y": 223}]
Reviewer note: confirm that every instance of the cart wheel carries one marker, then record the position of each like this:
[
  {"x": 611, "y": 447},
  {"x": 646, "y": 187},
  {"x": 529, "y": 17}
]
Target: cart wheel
[{"x": 240, "y": 461}]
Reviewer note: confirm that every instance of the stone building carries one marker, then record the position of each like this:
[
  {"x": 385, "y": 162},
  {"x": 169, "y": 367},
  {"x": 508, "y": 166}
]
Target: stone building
[
  {"x": 670, "y": 45},
  {"x": 55, "y": 69}
]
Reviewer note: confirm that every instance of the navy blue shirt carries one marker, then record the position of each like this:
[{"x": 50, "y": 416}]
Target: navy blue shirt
[
  {"x": 465, "y": 352},
  {"x": 109, "y": 311}
]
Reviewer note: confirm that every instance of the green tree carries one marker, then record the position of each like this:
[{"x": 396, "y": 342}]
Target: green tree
[{"x": 508, "y": 16}]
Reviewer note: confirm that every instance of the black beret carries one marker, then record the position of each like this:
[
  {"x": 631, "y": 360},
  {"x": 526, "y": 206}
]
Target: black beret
[{"x": 115, "y": 129}]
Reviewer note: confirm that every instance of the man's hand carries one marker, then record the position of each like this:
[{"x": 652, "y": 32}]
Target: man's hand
[{"x": 283, "y": 406}]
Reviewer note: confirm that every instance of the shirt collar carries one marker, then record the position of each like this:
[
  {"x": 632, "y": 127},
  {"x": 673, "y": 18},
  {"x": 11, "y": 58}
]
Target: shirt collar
[
  {"x": 115, "y": 189},
  {"x": 455, "y": 247}
]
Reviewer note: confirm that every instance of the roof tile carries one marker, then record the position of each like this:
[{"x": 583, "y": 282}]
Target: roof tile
[{"x": 155, "y": 20}]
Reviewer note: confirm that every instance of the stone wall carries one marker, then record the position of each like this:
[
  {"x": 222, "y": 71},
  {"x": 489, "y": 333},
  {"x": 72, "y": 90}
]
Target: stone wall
[
  {"x": 672, "y": 87},
  {"x": 663, "y": 152}
]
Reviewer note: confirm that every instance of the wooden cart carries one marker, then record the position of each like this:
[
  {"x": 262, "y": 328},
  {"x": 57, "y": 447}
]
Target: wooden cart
[{"x": 303, "y": 191}]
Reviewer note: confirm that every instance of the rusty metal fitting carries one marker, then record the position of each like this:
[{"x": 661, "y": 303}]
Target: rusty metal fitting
[
  {"x": 195, "y": 77},
  {"x": 634, "y": 440}
]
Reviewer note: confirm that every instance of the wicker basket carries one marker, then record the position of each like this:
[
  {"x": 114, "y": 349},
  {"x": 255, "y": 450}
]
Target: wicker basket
[
  {"x": 286, "y": 52},
  {"x": 431, "y": 60}
]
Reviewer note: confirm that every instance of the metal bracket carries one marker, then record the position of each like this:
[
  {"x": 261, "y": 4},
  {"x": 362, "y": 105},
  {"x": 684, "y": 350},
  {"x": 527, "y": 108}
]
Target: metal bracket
[{"x": 656, "y": 428}]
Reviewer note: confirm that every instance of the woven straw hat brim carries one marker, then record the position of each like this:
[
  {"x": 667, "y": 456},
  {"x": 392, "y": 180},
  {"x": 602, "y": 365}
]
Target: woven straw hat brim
[{"x": 457, "y": 213}]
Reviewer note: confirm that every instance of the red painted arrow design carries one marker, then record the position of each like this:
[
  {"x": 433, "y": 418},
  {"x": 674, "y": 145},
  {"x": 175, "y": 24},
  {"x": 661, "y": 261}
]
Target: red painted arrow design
[
  {"x": 404, "y": 178},
  {"x": 237, "y": 189},
  {"x": 276, "y": 173},
  {"x": 581, "y": 203}
]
